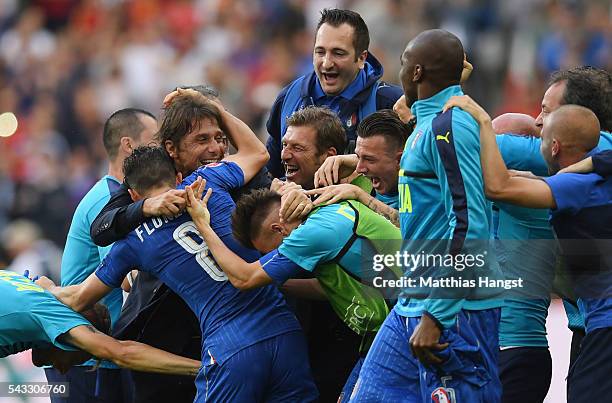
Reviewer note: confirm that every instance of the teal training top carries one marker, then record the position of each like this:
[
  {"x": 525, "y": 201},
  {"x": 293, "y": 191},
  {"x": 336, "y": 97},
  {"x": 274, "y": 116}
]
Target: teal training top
[
  {"x": 442, "y": 197},
  {"x": 81, "y": 256},
  {"x": 32, "y": 317}
]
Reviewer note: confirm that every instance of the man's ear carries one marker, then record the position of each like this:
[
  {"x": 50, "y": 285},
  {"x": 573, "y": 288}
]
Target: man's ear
[
  {"x": 398, "y": 156},
  {"x": 278, "y": 227},
  {"x": 331, "y": 151},
  {"x": 362, "y": 58},
  {"x": 126, "y": 145},
  {"x": 170, "y": 148},
  {"x": 417, "y": 74},
  {"x": 555, "y": 148},
  {"x": 179, "y": 178},
  {"x": 134, "y": 195}
]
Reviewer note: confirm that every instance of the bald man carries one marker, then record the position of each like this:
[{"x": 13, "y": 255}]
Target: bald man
[
  {"x": 425, "y": 348},
  {"x": 517, "y": 123},
  {"x": 581, "y": 210}
]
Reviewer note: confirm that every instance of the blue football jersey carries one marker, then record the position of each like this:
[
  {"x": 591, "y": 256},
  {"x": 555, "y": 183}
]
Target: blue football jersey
[{"x": 173, "y": 251}]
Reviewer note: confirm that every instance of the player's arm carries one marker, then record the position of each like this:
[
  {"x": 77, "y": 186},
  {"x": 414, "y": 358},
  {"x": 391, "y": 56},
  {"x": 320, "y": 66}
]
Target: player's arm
[
  {"x": 600, "y": 163},
  {"x": 336, "y": 193},
  {"x": 130, "y": 354},
  {"x": 78, "y": 297},
  {"x": 499, "y": 184},
  {"x": 241, "y": 274},
  {"x": 252, "y": 154},
  {"x": 120, "y": 215}
]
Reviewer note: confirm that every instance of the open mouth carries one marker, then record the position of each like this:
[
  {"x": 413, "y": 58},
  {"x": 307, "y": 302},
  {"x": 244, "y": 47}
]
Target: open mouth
[
  {"x": 291, "y": 170},
  {"x": 376, "y": 183},
  {"x": 330, "y": 78},
  {"x": 208, "y": 161}
]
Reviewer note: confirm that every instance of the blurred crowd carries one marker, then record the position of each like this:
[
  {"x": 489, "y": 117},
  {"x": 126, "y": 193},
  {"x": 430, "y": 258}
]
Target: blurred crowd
[{"x": 66, "y": 65}]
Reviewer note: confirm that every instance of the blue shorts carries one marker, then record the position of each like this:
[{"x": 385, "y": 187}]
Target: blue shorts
[
  {"x": 469, "y": 372},
  {"x": 273, "y": 370},
  {"x": 347, "y": 390},
  {"x": 589, "y": 378}
]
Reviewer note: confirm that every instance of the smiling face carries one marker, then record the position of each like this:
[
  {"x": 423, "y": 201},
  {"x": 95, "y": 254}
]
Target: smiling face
[
  {"x": 205, "y": 144},
  {"x": 334, "y": 58},
  {"x": 301, "y": 156},
  {"x": 379, "y": 162},
  {"x": 552, "y": 100}
]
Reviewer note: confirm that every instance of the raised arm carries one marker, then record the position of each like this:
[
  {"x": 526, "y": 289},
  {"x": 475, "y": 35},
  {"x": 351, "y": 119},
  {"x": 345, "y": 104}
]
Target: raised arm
[
  {"x": 252, "y": 154},
  {"x": 241, "y": 274},
  {"x": 499, "y": 185},
  {"x": 130, "y": 354}
]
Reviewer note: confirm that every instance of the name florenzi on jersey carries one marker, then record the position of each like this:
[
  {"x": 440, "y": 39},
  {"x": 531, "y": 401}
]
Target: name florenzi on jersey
[{"x": 148, "y": 227}]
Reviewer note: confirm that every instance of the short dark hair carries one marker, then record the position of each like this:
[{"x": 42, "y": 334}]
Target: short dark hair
[
  {"x": 336, "y": 17},
  {"x": 184, "y": 115},
  {"x": 327, "y": 125},
  {"x": 148, "y": 167},
  {"x": 205, "y": 89},
  {"x": 386, "y": 123},
  {"x": 589, "y": 87},
  {"x": 124, "y": 122},
  {"x": 250, "y": 213}
]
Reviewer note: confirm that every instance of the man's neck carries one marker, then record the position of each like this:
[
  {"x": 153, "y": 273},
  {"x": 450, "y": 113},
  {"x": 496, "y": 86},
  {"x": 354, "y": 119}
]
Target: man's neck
[
  {"x": 115, "y": 170},
  {"x": 428, "y": 90}
]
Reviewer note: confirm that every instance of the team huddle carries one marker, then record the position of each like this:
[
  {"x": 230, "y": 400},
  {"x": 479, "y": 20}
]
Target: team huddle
[{"x": 258, "y": 270}]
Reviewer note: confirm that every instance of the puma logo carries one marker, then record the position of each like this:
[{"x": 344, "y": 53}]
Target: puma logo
[{"x": 445, "y": 137}]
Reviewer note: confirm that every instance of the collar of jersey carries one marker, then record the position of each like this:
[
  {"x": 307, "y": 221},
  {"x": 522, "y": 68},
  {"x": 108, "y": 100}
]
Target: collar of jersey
[
  {"x": 434, "y": 104},
  {"x": 349, "y": 92}
]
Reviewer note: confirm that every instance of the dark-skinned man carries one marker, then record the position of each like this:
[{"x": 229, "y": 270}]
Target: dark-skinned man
[{"x": 436, "y": 348}]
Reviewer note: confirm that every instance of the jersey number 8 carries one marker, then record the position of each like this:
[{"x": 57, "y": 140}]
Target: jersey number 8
[{"x": 184, "y": 235}]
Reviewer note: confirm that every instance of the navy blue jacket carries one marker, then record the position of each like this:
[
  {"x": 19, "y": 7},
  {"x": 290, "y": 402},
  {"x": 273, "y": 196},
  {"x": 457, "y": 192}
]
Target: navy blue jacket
[{"x": 386, "y": 96}]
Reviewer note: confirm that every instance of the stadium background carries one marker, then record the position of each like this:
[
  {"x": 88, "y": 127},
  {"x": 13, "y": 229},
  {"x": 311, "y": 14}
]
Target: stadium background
[{"x": 65, "y": 65}]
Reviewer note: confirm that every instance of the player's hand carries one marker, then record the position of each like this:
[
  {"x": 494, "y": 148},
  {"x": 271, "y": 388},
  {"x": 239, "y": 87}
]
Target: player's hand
[
  {"x": 192, "y": 93},
  {"x": 45, "y": 283},
  {"x": 335, "y": 193},
  {"x": 467, "y": 70},
  {"x": 580, "y": 167},
  {"x": 197, "y": 207},
  {"x": 335, "y": 168},
  {"x": 403, "y": 111},
  {"x": 466, "y": 103},
  {"x": 167, "y": 204},
  {"x": 283, "y": 187},
  {"x": 425, "y": 339},
  {"x": 294, "y": 204}
]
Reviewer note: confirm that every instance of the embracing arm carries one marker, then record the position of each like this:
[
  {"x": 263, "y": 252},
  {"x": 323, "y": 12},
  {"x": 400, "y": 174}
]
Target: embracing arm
[
  {"x": 130, "y": 354},
  {"x": 120, "y": 215},
  {"x": 78, "y": 297},
  {"x": 241, "y": 274},
  {"x": 336, "y": 193},
  {"x": 252, "y": 154},
  {"x": 499, "y": 185}
]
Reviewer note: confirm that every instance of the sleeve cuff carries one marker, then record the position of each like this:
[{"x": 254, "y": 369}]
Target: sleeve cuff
[{"x": 436, "y": 321}]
